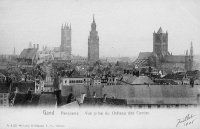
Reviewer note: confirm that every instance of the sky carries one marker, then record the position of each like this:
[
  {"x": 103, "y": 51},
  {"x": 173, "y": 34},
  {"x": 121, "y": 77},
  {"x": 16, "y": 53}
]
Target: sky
[{"x": 125, "y": 27}]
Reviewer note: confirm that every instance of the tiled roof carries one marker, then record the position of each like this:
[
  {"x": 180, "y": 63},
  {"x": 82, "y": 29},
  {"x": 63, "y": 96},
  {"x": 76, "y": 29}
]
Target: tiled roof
[
  {"x": 144, "y": 55},
  {"x": 175, "y": 59},
  {"x": 177, "y": 76},
  {"x": 28, "y": 53},
  {"x": 142, "y": 80},
  {"x": 195, "y": 74},
  {"x": 129, "y": 78}
]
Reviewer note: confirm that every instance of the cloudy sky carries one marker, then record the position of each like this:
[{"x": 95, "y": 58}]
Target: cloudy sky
[{"x": 125, "y": 27}]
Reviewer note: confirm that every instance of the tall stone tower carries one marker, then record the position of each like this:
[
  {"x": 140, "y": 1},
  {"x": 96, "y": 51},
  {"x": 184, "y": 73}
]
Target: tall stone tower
[
  {"x": 160, "y": 43},
  {"x": 66, "y": 40},
  {"x": 93, "y": 43}
]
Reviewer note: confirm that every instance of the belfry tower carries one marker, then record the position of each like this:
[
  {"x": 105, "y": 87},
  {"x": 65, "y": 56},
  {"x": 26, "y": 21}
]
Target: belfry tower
[
  {"x": 66, "y": 40},
  {"x": 160, "y": 43},
  {"x": 93, "y": 43}
]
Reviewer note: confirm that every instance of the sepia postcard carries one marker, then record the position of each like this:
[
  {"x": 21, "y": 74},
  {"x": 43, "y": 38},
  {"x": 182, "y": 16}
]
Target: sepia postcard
[{"x": 100, "y": 64}]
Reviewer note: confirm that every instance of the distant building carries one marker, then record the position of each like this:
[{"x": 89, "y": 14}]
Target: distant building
[
  {"x": 93, "y": 43},
  {"x": 160, "y": 58},
  {"x": 28, "y": 55},
  {"x": 78, "y": 59},
  {"x": 66, "y": 40}
]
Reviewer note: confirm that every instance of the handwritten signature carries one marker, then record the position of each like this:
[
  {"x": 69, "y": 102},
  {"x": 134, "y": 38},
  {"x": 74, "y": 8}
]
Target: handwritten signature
[{"x": 187, "y": 120}]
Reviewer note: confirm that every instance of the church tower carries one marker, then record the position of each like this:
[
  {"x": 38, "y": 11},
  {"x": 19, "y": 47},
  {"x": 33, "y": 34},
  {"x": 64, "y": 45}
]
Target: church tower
[
  {"x": 160, "y": 43},
  {"x": 66, "y": 40},
  {"x": 93, "y": 43}
]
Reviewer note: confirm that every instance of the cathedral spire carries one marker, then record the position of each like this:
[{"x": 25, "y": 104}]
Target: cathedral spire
[
  {"x": 191, "y": 49},
  {"x": 93, "y": 25},
  {"x": 93, "y": 19}
]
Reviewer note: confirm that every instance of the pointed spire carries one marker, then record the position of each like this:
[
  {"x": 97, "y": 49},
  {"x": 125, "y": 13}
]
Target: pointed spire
[
  {"x": 93, "y": 19},
  {"x": 191, "y": 49}
]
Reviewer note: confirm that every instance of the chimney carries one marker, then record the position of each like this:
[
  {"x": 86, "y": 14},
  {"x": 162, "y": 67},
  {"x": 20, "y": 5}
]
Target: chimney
[
  {"x": 37, "y": 46},
  {"x": 16, "y": 90}
]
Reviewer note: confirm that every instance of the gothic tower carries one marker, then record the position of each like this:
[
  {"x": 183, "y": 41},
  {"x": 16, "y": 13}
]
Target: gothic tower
[
  {"x": 160, "y": 43},
  {"x": 66, "y": 40},
  {"x": 93, "y": 43}
]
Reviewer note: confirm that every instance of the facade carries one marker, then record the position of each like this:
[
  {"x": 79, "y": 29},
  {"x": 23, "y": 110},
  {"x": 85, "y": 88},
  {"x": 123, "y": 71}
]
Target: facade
[
  {"x": 93, "y": 43},
  {"x": 161, "y": 59},
  {"x": 4, "y": 99},
  {"x": 66, "y": 41},
  {"x": 75, "y": 81},
  {"x": 4, "y": 94}
]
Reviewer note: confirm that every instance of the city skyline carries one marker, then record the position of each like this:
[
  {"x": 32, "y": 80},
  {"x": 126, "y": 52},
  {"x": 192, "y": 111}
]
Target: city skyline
[{"x": 122, "y": 26}]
